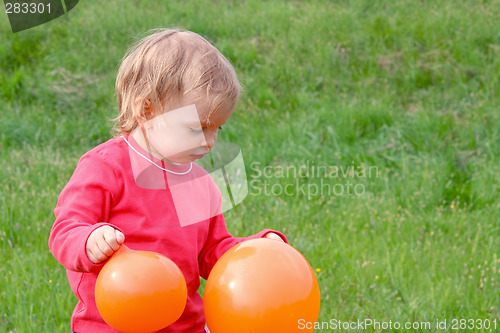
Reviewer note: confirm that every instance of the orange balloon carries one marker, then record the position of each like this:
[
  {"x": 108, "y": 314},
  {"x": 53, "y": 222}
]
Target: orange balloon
[
  {"x": 261, "y": 286},
  {"x": 140, "y": 291}
]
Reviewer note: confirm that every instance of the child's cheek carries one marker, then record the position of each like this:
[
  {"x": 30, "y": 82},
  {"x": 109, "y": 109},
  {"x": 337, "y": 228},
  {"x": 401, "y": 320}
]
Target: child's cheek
[
  {"x": 172, "y": 142},
  {"x": 169, "y": 135}
]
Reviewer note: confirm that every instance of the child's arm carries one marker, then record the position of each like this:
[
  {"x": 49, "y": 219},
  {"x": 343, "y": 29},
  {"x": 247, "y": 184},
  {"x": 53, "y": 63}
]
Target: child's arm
[{"x": 82, "y": 207}]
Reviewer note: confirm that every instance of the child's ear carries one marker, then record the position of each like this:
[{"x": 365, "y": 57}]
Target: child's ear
[
  {"x": 148, "y": 108},
  {"x": 146, "y": 111}
]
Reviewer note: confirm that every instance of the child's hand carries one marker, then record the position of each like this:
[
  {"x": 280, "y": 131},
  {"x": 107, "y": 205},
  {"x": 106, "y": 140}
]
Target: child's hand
[
  {"x": 102, "y": 243},
  {"x": 272, "y": 235}
]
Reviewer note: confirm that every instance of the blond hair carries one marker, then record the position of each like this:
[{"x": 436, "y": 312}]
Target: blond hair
[{"x": 166, "y": 66}]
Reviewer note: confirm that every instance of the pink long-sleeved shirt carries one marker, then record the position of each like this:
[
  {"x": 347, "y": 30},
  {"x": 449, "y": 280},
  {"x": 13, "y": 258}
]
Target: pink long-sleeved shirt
[{"x": 112, "y": 186}]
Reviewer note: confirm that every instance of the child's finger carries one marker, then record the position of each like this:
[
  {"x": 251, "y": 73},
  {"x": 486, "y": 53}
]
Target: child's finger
[
  {"x": 104, "y": 247},
  {"x": 120, "y": 237},
  {"x": 272, "y": 235},
  {"x": 96, "y": 255},
  {"x": 110, "y": 239}
]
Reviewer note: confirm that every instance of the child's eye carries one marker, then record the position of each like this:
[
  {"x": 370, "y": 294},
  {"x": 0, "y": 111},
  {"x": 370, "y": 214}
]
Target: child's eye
[{"x": 201, "y": 129}]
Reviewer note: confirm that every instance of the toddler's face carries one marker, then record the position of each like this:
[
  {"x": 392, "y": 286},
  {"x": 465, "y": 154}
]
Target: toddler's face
[{"x": 181, "y": 136}]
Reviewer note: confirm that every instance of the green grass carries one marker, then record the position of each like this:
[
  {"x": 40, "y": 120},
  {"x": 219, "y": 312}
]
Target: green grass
[{"x": 410, "y": 88}]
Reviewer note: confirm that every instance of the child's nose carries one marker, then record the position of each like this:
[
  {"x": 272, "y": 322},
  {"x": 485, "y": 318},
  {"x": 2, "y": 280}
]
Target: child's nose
[{"x": 210, "y": 139}]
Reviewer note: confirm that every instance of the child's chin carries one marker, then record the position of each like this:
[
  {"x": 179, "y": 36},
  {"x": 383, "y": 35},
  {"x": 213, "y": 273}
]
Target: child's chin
[{"x": 185, "y": 159}]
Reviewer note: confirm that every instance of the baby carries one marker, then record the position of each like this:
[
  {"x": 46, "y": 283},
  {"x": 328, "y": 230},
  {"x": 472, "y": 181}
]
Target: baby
[{"x": 175, "y": 91}]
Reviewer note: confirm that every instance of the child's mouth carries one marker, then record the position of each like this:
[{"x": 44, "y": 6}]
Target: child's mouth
[{"x": 198, "y": 156}]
